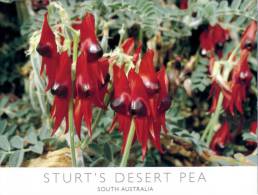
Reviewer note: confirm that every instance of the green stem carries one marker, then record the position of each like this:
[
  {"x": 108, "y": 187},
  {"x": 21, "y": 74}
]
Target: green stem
[
  {"x": 70, "y": 114},
  {"x": 128, "y": 145},
  {"x": 214, "y": 119},
  {"x": 72, "y": 133}
]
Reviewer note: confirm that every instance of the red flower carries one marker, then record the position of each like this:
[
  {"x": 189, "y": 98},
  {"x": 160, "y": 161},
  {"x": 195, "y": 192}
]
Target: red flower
[
  {"x": 130, "y": 100},
  {"x": 220, "y": 138},
  {"x": 88, "y": 39},
  {"x": 62, "y": 90},
  {"x": 183, "y": 4},
  {"x": 148, "y": 74},
  {"x": 128, "y": 47},
  {"x": 249, "y": 36},
  {"x": 240, "y": 83},
  {"x": 144, "y": 98},
  {"x": 253, "y": 127},
  {"x": 213, "y": 39},
  {"x": 91, "y": 75},
  {"x": 47, "y": 48}
]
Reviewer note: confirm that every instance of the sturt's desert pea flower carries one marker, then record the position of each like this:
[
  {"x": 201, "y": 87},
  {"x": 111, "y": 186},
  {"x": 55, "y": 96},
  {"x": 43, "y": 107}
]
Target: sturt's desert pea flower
[
  {"x": 91, "y": 75},
  {"x": 235, "y": 87},
  {"x": 128, "y": 48},
  {"x": 220, "y": 138},
  {"x": 47, "y": 48},
  {"x": 182, "y": 4},
  {"x": 62, "y": 90},
  {"x": 212, "y": 40},
  {"x": 249, "y": 36},
  {"x": 142, "y": 97},
  {"x": 239, "y": 84}
]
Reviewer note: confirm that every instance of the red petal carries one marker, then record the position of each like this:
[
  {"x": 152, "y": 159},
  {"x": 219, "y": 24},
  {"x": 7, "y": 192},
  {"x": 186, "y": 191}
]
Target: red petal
[
  {"x": 219, "y": 34},
  {"x": 88, "y": 28},
  {"x": 87, "y": 115},
  {"x": 137, "y": 53},
  {"x": 49, "y": 54},
  {"x": 221, "y": 137},
  {"x": 78, "y": 116},
  {"x": 59, "y": 112},
  {"x": 206, "y": 41},
  {"x": 128, "y": 45},
  {"x": 61, "y": 105},
  {"x": 138, "y": 89},
  {"x": 249, "y": 34},
  {"x": 148, "y": 74},
  {"x": 121, "y": 84},
  {"x": 183, "y": 4}
]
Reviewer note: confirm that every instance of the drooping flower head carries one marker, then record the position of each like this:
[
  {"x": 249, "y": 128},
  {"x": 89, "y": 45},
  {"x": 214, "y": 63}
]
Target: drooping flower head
[
  {"x": 47, "y": 48},
  {"x": 239, "y": 84},
  {"x": 235, "y": 88},
  {"x": 143, "y": 98},
  {"x": 91, "y": 76},
  {"x": 213, "y": 39},
  {"x": 62, "y": 90},
  {"x": 249, "y": 36},
  {"x": 220, "y": 138}
]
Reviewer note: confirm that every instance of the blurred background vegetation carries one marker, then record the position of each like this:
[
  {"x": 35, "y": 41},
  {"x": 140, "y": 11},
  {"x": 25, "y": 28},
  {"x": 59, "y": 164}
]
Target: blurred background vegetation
[{"x": 25, "y": 125}]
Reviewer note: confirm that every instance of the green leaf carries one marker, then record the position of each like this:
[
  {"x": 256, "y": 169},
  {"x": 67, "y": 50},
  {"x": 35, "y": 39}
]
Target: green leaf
[
  {"x": 235, "y": 4},
  {"x": 4, "y": 100},
  {"x": 16, "y": 158},
  {"x": 3, "y": 155},
  {"x": 32, "y": 138},
  {"x": 44, "y": 133},
  {"x": 38, "y": 148},
  {"x": 17, "y": 142},
  {"x": 10, "y": 131},
  {"x": 97, "y": 163},
  {"x": 249, "y": 137},
  {"x": 4, "y": 143},
  {"x": 108, "y": 153},
  {"x": 3, "y": 125}
]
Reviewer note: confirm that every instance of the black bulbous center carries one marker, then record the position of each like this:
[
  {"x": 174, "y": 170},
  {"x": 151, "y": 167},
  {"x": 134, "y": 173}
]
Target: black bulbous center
[
  {"x": 59, "y": 90},
  {"x": 151, "y": 87},
  {"x": 44, "y": 50},
  {"x": 94, "y": 52},
  {"x": 119, "y": 105},
  {"x": 248, "y": 44},
  {"x": 219, "y": 46},
  {"x": 84, "y": 91},
  {"x": 164, "y": 104},
  {"x": 178, "y": 65},
  {"x": 138, "y": 108},
  {"x": 106, "y": 80}
]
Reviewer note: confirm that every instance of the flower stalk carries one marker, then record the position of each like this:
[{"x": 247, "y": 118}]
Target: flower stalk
[
  {"x": 70, "y": 112},
  {"x": 128, "y": 145}
]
